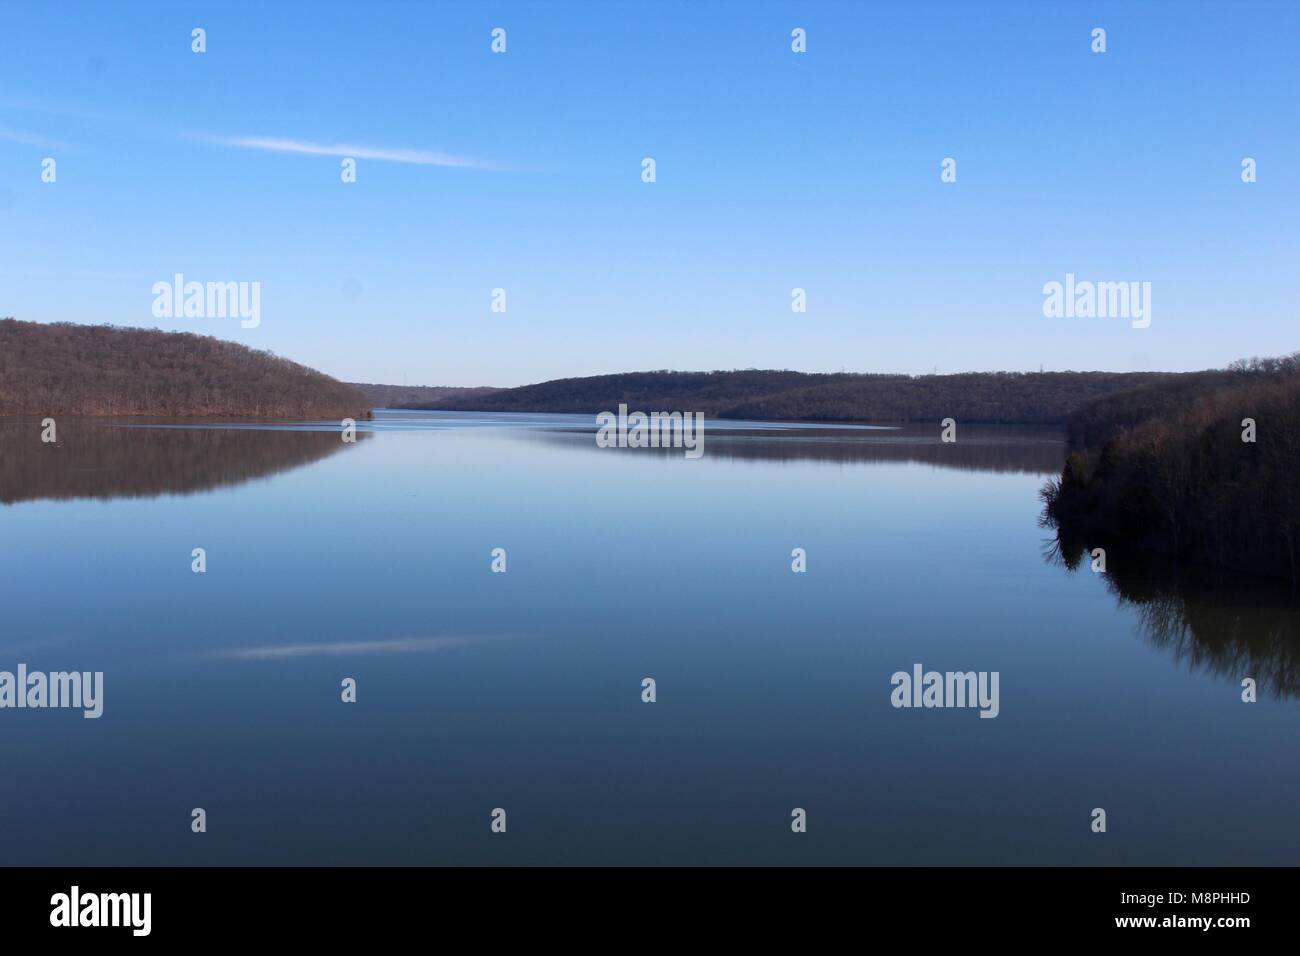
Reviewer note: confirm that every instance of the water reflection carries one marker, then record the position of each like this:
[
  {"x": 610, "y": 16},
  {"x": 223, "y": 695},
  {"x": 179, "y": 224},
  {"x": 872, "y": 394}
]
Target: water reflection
[
  {"x": 989, "y": 448},
  {"x": 95, "y": 459},
  {"x": 126, "y": 459},
  {"x": 1228, "y": 625}
]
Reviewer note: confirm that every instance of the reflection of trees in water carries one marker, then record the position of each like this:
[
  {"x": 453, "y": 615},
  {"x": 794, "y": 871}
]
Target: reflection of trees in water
[
  {"x": 995, "y": 448},
  {"x": 1228, "y": 625},
  {"x": 100, "y": 460}
]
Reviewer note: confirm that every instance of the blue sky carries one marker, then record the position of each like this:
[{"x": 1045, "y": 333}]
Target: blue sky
[{"x": 775, "y": 170}]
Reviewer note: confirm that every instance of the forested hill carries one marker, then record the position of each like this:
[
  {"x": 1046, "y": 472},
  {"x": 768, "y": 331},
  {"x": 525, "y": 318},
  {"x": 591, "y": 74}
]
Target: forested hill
[
  {"x": 96, "y": 370},
  {"x": 1035, "y": 398}
]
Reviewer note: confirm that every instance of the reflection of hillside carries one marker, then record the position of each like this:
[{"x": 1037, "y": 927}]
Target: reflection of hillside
[
  {"x": 1229, "y": 626},
  {"x": 999, "y": 448},
  {"x": 100, "y": 460}
]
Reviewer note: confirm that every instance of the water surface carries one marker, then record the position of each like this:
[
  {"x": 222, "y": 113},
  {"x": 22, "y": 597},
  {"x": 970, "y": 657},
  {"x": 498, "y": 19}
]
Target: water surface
[{"x": 522, "y": 690}]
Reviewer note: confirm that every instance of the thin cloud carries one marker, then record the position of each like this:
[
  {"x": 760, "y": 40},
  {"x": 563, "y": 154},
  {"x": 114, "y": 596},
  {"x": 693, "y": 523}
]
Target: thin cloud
[
  {"x": 418, "y": 157},
  {"x": 341, "y": 648}
]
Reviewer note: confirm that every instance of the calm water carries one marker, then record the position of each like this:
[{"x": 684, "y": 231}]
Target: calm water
[{"x": 523, "y": 690}]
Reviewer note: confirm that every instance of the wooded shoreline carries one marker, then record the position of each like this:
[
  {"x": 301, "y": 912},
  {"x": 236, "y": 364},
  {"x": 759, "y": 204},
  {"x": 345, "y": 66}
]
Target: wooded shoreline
[{"x": 1204, "y": 470}]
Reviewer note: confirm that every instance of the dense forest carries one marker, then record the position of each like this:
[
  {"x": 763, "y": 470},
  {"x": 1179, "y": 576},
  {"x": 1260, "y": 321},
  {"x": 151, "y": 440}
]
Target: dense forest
[
  {"x": 1176, "y": 469},
  {"x": 1044, "y": 398},
  {"x": 102, "y": 370}
]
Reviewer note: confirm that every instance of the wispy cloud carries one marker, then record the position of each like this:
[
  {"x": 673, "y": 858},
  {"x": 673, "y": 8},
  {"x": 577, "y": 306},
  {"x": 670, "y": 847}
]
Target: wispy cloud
[
  {"x": 343, "y": 648},
  {"x": 418, "y": 157},
  {"x": 9, "y": 134}
]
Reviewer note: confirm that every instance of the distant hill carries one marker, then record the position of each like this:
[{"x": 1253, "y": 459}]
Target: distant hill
[
  {"x": 420, "y": 396},
  {"x": 98, "y": 370},
  {"x": 1045, "y": 398}
]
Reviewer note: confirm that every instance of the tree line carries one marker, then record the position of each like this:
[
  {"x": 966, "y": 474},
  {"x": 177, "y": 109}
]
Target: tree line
[{"x": 1041, "y": 398}]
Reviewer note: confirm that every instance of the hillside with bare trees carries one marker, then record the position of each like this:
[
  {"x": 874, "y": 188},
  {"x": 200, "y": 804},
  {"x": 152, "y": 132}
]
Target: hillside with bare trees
[{"x": 103, "y": 370}]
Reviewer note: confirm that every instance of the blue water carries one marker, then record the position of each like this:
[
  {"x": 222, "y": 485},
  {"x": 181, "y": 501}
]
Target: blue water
[{"x": 478, "y": 690}]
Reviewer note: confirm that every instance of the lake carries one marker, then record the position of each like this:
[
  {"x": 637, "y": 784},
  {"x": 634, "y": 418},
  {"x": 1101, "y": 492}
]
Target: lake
[{"x": 522, "y": 690}]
